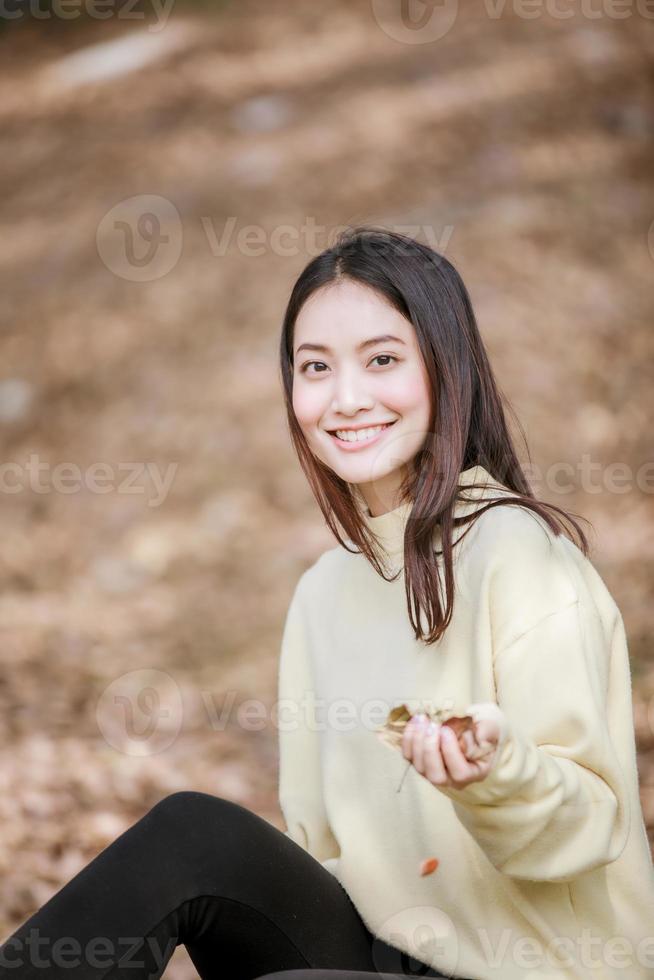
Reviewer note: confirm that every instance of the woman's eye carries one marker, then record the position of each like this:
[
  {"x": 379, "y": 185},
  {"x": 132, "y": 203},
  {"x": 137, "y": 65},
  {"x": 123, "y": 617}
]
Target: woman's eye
[
  {"x": 304, "y": 367},
  {"x": 377, "y": 356}
]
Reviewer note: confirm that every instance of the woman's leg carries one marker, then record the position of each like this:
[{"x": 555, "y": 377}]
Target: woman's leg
[
  {"x": 310, "y": 974},
  {"x": 199, "y": 870}
]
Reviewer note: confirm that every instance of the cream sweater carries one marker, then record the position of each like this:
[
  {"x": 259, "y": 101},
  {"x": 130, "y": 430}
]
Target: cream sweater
[{"x": 545, "y": 869}]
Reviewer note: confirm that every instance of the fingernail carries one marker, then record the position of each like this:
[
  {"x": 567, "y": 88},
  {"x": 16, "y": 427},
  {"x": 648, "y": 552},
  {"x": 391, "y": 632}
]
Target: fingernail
[{"x": 431, "y": 727}]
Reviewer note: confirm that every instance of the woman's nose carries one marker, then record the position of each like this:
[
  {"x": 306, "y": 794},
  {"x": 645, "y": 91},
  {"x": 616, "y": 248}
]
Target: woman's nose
[{"x": 350, "y": 394}]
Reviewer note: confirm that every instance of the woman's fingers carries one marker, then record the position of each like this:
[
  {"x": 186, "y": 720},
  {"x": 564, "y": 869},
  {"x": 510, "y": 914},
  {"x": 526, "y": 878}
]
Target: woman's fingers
[
  {"x": 412, "y": 740},
  {"x": 434, "y": 750},
  {"x": 420, "y": 744},
  {"x": 458, "y": 767},
  {"x": 435, "y": 770},
  {"x": 469, "y": 743}
]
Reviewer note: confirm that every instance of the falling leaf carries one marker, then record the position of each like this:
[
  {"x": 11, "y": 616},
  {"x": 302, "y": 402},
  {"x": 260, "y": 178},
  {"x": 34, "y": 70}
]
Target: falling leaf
[{"x": 428, "y": 866}]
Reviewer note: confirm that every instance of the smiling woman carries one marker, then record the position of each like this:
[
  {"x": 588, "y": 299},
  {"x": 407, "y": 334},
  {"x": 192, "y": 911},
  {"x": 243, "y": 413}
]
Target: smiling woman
[{"x": 542, "y": 842}]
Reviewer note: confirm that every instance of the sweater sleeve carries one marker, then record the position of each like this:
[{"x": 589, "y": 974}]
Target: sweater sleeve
[
  {"x": 300, "y": 775},
  {"x": 554, "y": 804}
]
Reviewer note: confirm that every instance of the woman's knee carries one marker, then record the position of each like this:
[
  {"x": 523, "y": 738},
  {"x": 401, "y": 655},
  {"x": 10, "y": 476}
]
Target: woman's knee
[
  {"x": 190, "y": 804},
  {"x": 193, "y": 808}
]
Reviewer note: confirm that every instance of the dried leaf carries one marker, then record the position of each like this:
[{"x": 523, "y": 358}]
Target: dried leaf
[
  {"x": 391, "y": 731},
  {"x": 463, "y": 726}
]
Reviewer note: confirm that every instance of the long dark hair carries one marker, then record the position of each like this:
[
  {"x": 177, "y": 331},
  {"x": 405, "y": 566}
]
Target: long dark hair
[{"x": 426, "y": 289}]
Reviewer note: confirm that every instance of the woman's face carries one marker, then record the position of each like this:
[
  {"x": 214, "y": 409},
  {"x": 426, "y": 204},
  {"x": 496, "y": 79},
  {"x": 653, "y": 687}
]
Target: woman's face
[{"x": 341, "y": 387}]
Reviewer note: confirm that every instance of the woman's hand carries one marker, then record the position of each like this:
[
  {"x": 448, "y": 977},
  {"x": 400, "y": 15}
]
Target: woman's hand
[{"x": 434, "y": 751}]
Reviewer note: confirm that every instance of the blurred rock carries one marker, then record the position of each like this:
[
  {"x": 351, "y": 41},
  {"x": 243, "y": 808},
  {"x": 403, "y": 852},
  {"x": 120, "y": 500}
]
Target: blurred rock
[
  {"x": 153, "y": 548},
  {"x": 596, "y": 425},
  {"x": 118, "y": 575},
  {"x": 16, "y": 398},
  {"x": 255, "y": 166},
  {"x": 262, "y": 114},
  {"x": 112, "y": 59}
]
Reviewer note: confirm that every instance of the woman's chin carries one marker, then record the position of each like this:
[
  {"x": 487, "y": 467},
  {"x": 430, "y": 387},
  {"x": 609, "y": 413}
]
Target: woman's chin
[
  {"x": 364, "y": 480},
  {"x": 354, "y": 468}
]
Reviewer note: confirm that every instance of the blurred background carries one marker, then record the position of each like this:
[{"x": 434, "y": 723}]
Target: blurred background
[{"x": 168, "y": 169}]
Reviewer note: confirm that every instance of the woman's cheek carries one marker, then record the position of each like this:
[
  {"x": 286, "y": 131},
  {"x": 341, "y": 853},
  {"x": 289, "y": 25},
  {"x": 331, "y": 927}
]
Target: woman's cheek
[
  {"x": 413, "y": 389},
  {"x": 309, "y": 410},
  {"x": 399, "y": 394}
]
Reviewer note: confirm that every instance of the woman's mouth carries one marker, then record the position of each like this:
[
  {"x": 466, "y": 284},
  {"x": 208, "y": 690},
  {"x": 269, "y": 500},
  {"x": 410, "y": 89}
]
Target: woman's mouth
[{"x": 352, "y": 440}]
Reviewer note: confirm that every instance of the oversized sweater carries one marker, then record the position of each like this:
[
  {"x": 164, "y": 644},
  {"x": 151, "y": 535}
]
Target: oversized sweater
[{"x": 544, "y": 866}]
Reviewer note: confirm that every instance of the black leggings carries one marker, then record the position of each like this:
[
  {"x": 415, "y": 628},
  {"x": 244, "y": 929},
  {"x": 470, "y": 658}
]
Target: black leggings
[{"x": 200, "y": 870}]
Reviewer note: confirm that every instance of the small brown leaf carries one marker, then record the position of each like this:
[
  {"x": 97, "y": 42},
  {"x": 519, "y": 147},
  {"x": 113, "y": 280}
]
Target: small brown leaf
[
  {"x": 392, "y": 730},
  {"x": 428, "y": 866}
]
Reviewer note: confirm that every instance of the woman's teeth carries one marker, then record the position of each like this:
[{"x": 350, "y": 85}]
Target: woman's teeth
[{"x": 360, "y": 435}]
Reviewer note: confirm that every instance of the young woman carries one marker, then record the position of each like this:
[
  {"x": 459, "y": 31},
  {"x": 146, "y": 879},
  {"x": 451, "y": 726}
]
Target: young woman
[{"x": 451, "y": 587}]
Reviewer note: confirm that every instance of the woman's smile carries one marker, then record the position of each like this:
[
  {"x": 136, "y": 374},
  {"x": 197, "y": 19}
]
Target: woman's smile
[{"x": 360, "y": 438}]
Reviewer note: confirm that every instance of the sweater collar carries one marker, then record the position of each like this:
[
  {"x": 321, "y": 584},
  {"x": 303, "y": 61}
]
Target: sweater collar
[{"x": 389, "y": 527}]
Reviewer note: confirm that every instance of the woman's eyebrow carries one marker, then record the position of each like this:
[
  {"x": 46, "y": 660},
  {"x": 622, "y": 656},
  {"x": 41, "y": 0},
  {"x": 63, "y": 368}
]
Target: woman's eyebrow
[{"x": 366, "y": 343}]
